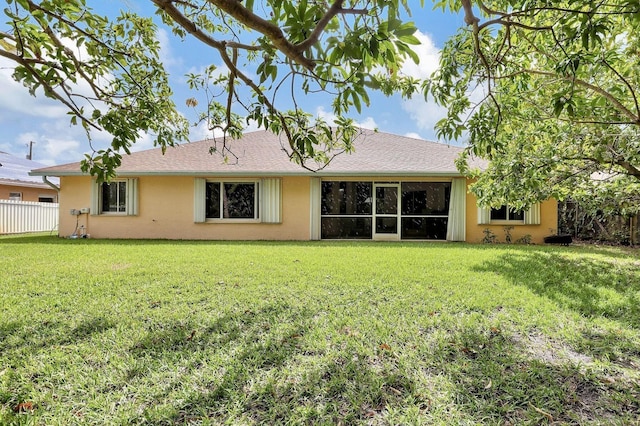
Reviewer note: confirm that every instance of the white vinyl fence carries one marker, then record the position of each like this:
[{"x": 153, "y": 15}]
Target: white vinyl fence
[{"x": 27, "y": 216}]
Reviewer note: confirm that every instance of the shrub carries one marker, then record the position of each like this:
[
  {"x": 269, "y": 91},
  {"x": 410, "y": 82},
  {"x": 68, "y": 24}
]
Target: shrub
[{"x": 489, "y": 236}]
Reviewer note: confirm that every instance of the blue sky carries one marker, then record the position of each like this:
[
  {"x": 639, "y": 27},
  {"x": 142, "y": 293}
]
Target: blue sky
[{"x": 24, "y": 118}]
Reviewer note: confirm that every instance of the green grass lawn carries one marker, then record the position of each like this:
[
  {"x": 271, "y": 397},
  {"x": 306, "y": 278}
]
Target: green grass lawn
[{"x": 160, "y": 332}]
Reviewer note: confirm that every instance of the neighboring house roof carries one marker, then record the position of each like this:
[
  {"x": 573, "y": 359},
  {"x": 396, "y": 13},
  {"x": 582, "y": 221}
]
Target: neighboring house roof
[
  {"x": 261, "y": 153},
  {"x": 15, "y": 171}
]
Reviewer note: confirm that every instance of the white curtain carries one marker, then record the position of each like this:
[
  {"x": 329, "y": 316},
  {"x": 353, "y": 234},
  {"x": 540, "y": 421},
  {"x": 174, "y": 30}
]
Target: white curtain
[
  {"x": 95, "y": 197},
  {"x": 484, "y": 216},
  {"x": 199, "y": 199},
  {"x": 132, "y": 197},
  {"x": 271, "y": 201},
  {"x": 532, "y": 216},
  {"x": 456, "y": 230},
  {"x": 314, "y": 203}
]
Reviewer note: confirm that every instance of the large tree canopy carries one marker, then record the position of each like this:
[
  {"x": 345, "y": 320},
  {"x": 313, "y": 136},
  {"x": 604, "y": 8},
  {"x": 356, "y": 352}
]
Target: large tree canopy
[
  {"x": 549, "y": 92},
  {"x": 108, "y": 73}
]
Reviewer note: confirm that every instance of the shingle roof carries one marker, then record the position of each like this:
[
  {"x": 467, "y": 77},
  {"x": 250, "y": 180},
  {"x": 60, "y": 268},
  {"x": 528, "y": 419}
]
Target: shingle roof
[
  {"x": 261, "y": 153},
  {"x": 15, "y": 171}
]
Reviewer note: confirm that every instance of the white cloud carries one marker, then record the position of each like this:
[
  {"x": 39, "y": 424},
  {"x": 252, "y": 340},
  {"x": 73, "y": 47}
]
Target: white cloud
[
  {"x": 202, "y": 131},
  {"x": 61, "y": 150},
  {"x": 167, "y": 55},
  {"x": 47, "y": 149},
  {"x": 413, "y": 135},
  {"x": 143, "y": 142},
  {"x": 368, "y": 123},
  {"x": 429, "y": 56},
  {"x": 477, "y": 94},
  {"x": 56, "y": 140},
  {"x": 253, "y": 126},
  {"x": 16, "y": 101},
  {"x": 330, "y": 118},
  {"x": 424, "y": 114}
]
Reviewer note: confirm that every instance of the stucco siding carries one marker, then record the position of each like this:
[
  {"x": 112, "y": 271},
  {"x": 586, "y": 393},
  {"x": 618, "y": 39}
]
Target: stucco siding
[
  {"x": 166, "y": 211},
  {"x": 548, "y": 224},
  {"x": 28, "y": 193}
]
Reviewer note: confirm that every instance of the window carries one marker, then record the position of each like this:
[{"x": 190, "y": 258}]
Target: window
[
  {"x": 46, "y": 199},
  {"x": 346, "y": 210},
  {"x": 507, "y": 213},
  {"x": 231, "y": 200},
  {"x": 346, "y": 198},
  {"x": 114, "y": 197},
  {"x": 15, "y": 196},
  {"x": 118, "y": 197},
  {"x": 241, "y": 200},
  {"x": 425, "y": 210}
]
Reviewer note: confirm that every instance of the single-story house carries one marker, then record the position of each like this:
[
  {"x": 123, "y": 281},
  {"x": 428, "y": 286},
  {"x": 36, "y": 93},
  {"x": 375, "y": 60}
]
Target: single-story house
[
  {"x": 17, "y": 185},
  {"x": 390, "y": 188}
]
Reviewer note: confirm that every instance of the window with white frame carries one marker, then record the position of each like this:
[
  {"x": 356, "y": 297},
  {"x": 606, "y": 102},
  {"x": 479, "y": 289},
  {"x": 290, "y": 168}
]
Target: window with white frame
[
  {"x": 507, "y": 213},
  {"x": 15, "y": 196},
  {"x": 117, "y": 197},
  {"x": 238, "y": 200},
  {"x": 231, "y": 200},
  {"x": 114, "y": 197}
]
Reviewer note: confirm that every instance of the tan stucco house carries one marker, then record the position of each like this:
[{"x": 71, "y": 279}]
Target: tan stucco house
[{"x": 390, "y": 188}]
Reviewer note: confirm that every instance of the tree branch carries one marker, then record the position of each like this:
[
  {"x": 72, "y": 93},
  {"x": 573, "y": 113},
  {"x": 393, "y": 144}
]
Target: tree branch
[
  {"x": 272, "y": 109},
  {"x": 608, "y": 96},
  {"x": 506, "y": 22},
  {"x": 70, "y": 24},
  {"x": 255, "y": 22},
  {"x": 168, "y": 7},
  {"x": 335, "y": 9},
  {"x": 49, "y": 91},
  {"x": 626, "y": 83},
  {"x": 232, "y": 78},
  {"x": 630, "y": 168},
  {"x": 469, "y": 17}
]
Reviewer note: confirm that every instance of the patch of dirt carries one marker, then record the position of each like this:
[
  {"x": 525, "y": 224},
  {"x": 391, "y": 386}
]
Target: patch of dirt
[
  {"x": 545, "y": 350},
  {"x": 588, "y": 400},
  {"x": 120, "y": 266}
]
